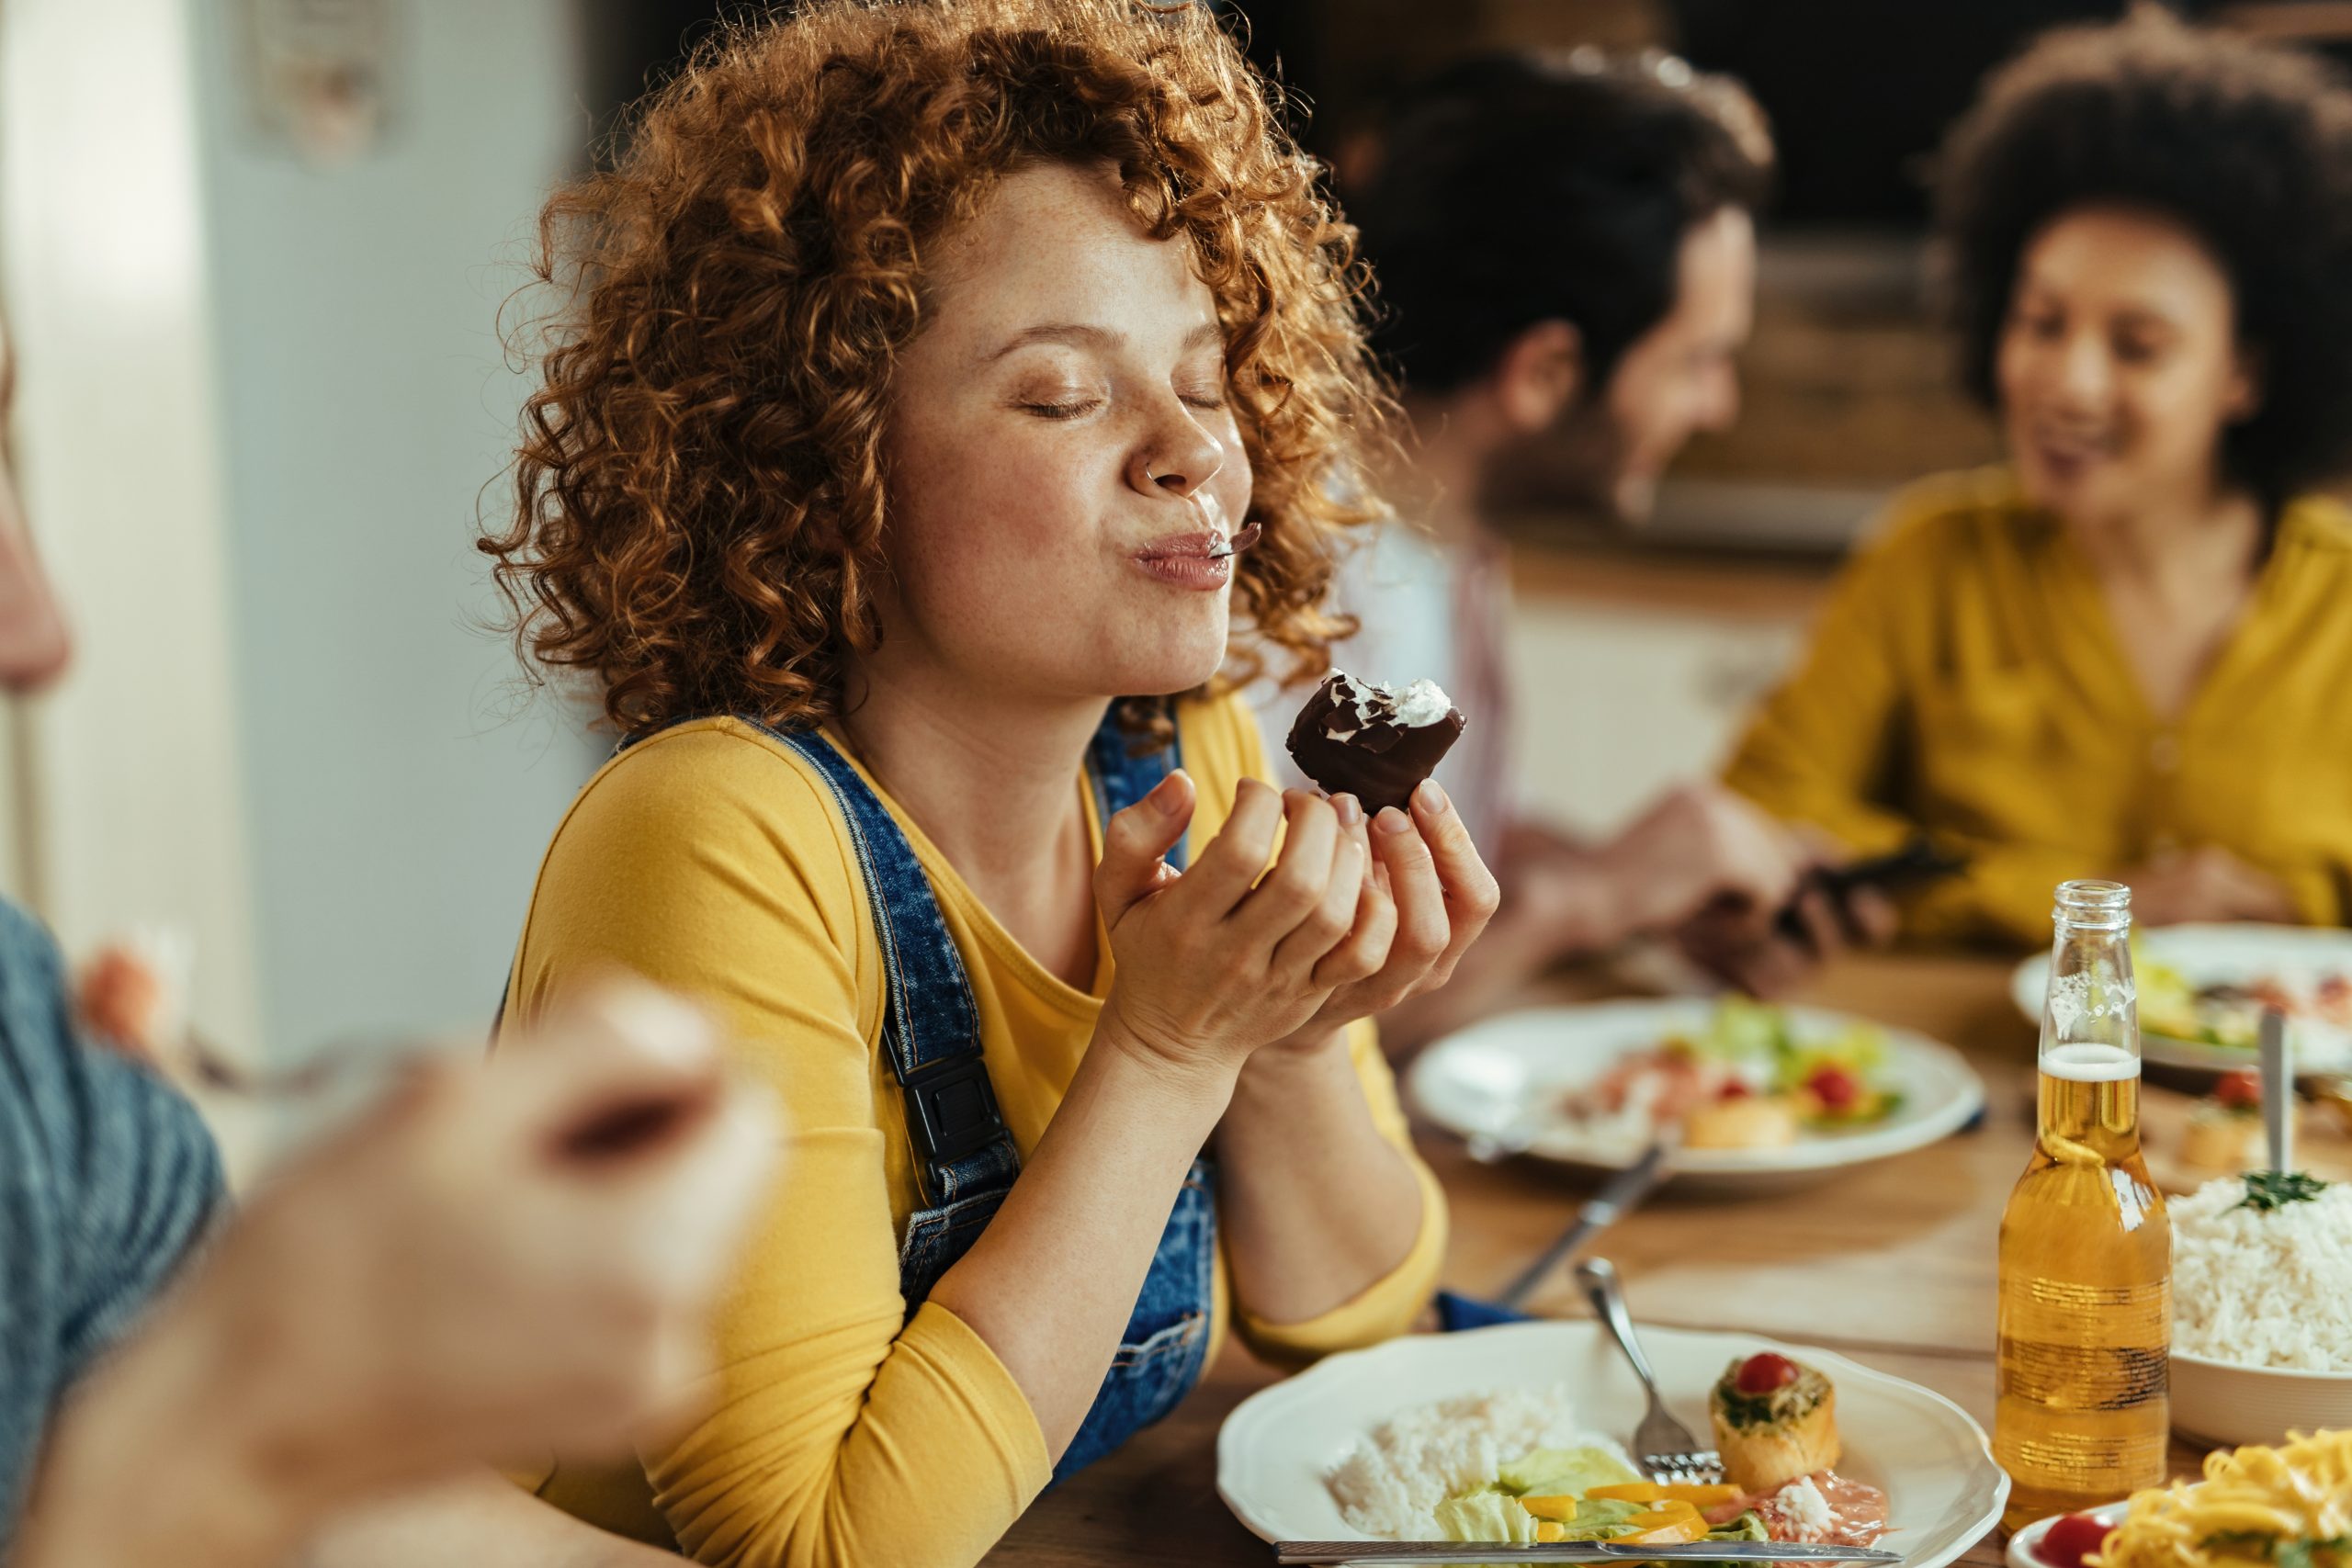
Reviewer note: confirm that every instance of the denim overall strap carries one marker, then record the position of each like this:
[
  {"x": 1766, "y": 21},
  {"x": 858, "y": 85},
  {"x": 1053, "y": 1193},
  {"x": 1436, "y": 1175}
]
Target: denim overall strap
[
  {"x": 1165, "y": 1344},
  {"x": 931, "y": 1028},
  {"x": 930, "y": 1025},
  {"x": 1121, "y": 779}
]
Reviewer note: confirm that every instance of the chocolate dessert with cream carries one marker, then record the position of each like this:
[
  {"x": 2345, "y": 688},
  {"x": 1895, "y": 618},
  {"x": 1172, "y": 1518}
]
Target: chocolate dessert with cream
[{"x": 1372, "y": 741}]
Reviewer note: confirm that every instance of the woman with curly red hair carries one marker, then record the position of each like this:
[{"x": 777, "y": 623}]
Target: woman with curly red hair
[{"x": 922, "y": 363}]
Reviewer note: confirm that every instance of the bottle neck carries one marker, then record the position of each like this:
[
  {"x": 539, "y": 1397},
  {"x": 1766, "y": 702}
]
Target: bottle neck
[
  {"x": 2089, "y": 1101},
  {"x": 2090, "y": 1016}
]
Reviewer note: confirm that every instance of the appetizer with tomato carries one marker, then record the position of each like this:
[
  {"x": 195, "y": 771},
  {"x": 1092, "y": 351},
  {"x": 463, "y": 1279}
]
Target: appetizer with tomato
[{"x": 1775, "y": 1422}]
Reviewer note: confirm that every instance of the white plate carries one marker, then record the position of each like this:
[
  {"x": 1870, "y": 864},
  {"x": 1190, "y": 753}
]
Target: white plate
[
  {"x": 1943, "y": 1490},
  {"x": 2021, "y": 1545},
  {"x": 2212, "y": 955},
  {"x": 1479, "y": 1080}
]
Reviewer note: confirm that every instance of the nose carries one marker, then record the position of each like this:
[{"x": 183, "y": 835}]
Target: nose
[
  {"x": 1176, "y": 456},
  {"x": 2082, "y": 371}
]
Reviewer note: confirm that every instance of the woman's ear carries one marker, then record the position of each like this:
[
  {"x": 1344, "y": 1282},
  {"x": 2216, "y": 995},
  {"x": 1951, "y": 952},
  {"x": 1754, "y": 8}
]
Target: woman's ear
[
  {"x": 2243, "y": 401},
  {"x": 1539, "y": 376}
]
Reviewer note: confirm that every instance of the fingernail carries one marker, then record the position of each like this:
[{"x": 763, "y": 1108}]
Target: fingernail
[
  {"x": 658, "y": 1022},
  {"x": 1165, "y": 794},
  {"x": 1350, "y": 812},
  {"x": 1430, "y": 799},
  {"x": 1392, "y": 820}
]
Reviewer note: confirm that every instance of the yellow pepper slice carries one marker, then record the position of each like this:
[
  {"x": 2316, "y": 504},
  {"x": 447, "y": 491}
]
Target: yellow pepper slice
[
  {"x": 1668, "y": 1524},
  {"x": 1550, "y": 1529},
  {"x": 1562, "y": 1507},
  {"x": 1656, "y": 1491}
]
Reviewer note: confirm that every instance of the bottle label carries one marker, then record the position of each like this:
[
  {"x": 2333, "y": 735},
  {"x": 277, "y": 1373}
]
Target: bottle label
[
  {"x": 2091, "y": 1463},
  {"x": 2071, "y": 1346}
]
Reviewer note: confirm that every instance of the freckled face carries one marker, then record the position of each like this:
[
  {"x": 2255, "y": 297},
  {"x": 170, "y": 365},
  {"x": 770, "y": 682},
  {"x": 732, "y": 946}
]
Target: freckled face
[{"x": 1062, "y": 455}]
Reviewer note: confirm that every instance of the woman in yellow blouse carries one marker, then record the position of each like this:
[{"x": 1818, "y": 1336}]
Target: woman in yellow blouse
[
  {"x": 923, "y": 366},
  {"x": 2128, "y": 652}
]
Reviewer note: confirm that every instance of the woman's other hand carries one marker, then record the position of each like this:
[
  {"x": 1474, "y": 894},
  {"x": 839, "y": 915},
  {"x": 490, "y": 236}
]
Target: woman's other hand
[
  {"x": 1769, "y": 950},
  {"x": 1698, "y": 847},
  {"x": 2206, "y": 884}
]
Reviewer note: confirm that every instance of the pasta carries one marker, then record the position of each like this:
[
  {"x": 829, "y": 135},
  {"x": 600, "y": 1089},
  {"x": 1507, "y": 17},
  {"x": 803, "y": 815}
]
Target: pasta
[{"x": 2287, "y": 1506}]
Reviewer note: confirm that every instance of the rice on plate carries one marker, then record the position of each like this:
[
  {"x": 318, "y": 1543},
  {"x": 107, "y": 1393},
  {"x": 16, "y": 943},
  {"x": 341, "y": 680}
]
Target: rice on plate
[
  {"x": 2264, "y": 1286},
  {"x": 1390, "y": 1483}
]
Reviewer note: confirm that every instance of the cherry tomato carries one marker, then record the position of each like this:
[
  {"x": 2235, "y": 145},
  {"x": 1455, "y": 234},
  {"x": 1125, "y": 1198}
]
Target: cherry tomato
[
  {"x": 1736, "y": 1089},
  {"x": 2070, "y": 1542},
  {"x": 2238, "y": 1088},
  {"x": 1834, "y": 1086},
  {"x": 1764, "y": 1373}
]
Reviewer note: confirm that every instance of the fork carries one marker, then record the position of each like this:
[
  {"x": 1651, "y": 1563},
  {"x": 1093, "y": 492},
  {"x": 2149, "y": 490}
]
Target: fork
[{"x": 1663, "y": 1446}]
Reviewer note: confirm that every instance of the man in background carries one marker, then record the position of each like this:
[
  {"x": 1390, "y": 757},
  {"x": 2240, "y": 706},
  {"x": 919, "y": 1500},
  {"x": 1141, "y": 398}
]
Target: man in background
[{"x": 1563, "y": 251}]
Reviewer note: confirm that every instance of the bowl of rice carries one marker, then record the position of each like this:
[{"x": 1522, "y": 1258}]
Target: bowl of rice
[{"x": 2262, "y": 1309}]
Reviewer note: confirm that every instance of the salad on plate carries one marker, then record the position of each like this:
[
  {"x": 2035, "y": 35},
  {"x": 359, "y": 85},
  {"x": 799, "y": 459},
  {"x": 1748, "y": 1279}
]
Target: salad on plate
[
  {"x": 1438, "y": 1471},
  {"x": 1749, "y": 1080},
  {"x": 2227, "y": 1013}
]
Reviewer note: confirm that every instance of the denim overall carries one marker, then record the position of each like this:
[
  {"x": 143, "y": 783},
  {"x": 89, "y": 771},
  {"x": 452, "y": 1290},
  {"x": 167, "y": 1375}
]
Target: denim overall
[{"x": 930, "y": 1029}]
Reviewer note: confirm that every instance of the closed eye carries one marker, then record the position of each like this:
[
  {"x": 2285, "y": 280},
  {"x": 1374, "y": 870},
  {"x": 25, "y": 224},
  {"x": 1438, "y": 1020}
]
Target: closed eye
[{"x": 1070, "y": 410}]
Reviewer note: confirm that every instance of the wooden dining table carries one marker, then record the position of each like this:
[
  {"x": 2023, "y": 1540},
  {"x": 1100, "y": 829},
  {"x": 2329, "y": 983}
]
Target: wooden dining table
[{"x": 1891, "y": 1264}]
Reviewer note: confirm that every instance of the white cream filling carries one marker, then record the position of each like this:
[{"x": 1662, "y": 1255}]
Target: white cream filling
[{"x": 1420, "y": 704}]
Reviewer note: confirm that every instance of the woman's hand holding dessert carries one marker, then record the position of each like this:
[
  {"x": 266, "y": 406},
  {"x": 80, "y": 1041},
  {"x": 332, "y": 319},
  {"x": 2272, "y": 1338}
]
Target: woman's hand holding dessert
[
  {"x": 1354, "y": 916},
  {"x": 1219, "y": 960},
  {"x": 1429, "y": 888},
  {"x": 1373, "y": 748}
]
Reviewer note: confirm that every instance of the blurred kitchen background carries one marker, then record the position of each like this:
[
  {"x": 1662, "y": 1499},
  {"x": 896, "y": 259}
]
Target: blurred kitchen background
[{"x": 253, "y": 255}]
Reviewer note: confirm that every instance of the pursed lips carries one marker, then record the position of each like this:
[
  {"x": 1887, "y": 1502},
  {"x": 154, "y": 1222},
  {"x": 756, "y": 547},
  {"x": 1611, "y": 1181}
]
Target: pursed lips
[
  {"x": 1173, "y": 547},
  {"x": 1182, "y": 561}
]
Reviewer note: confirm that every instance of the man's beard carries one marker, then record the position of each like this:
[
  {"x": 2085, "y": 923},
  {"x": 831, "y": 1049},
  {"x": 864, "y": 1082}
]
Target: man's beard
[{"x": 1580, "y": 463}]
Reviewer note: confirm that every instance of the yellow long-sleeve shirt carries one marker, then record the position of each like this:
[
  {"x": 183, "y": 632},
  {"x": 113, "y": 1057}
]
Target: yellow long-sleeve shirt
[
  {"x": 710, "y": 859},
  {"x": 1966, "y": 678}
]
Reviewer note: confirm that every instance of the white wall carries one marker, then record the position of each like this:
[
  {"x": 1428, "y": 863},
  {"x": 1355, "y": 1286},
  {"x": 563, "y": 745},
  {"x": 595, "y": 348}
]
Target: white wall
[
  {"x": 1621, "y": 702},
  {"x": 395, "y": 812},
  {"x": 132, "y": 808}
]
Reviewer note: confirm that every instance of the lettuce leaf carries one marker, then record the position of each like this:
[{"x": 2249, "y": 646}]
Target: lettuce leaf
[
  {"x": 1745, "y": 1031},
  {"x": 1749, "y": 1526},
  {"x": 1485, "y": 1516},
  {"x": 1553, "y": 1472}
]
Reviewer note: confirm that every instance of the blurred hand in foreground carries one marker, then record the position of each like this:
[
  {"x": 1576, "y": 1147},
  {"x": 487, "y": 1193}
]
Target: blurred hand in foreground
[{"x": 509, "y": 1255}]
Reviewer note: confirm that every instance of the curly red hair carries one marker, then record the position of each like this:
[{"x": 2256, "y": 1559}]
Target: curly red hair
[{"x": 702, "y": 511}]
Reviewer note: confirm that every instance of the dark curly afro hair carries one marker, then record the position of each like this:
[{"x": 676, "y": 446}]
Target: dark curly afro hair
[{"x": 2247, "y": 145}]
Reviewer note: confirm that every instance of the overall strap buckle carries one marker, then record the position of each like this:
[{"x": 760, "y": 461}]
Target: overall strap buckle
[{"x": 952, "y": 1109}]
